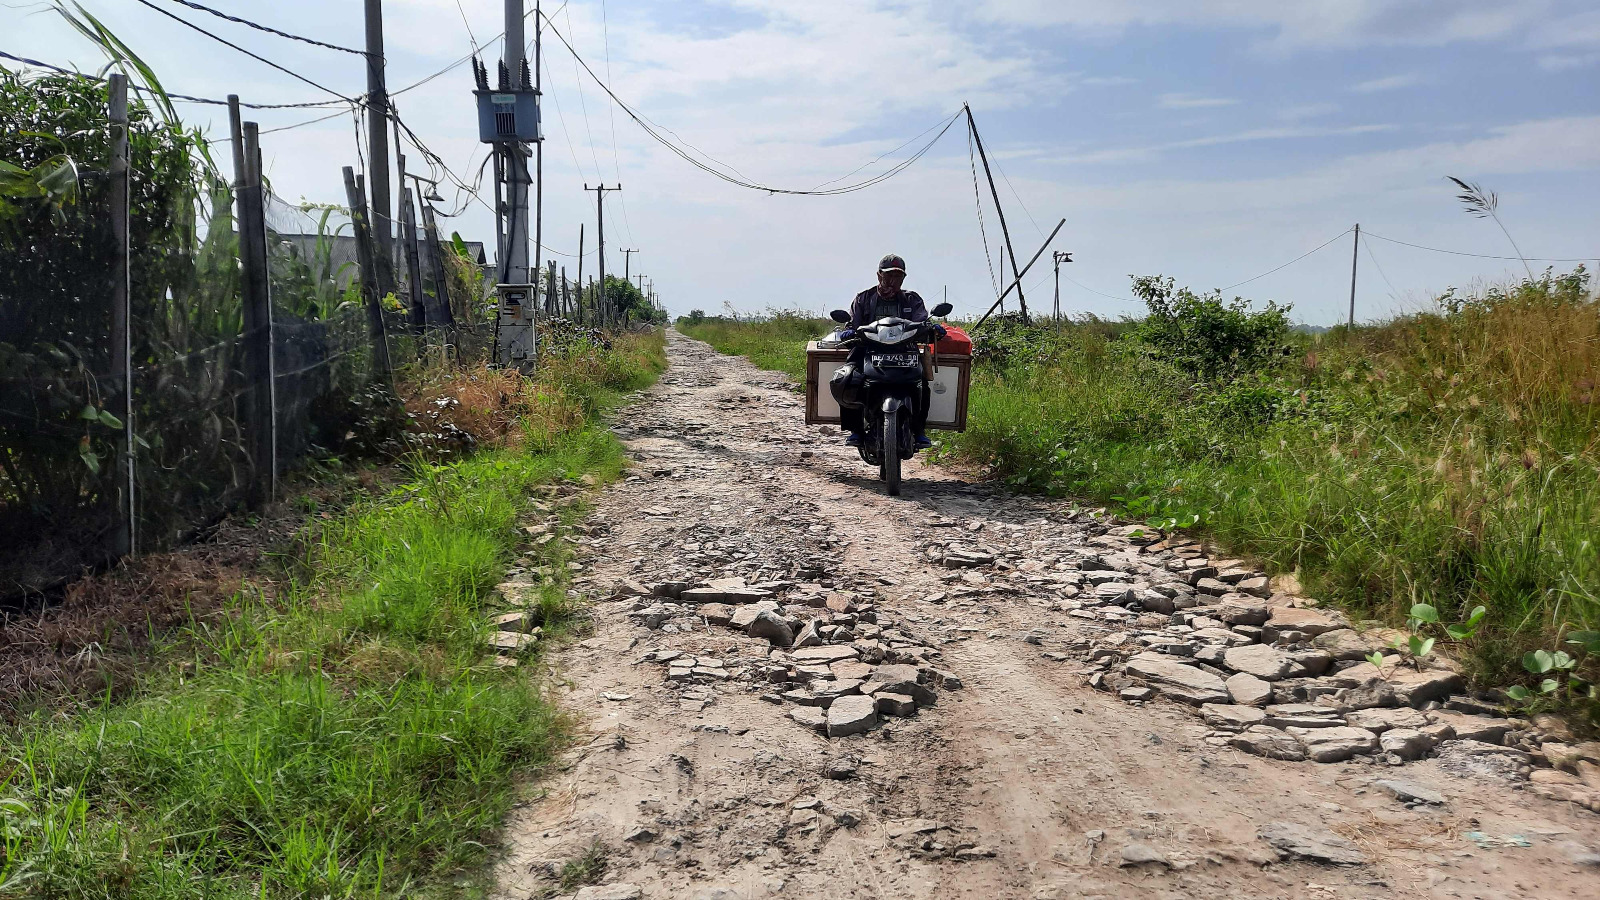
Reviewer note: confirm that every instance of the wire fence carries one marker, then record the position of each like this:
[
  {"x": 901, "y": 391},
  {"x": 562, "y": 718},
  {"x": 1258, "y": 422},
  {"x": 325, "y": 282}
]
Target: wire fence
[{"x": 211, "y": 430}]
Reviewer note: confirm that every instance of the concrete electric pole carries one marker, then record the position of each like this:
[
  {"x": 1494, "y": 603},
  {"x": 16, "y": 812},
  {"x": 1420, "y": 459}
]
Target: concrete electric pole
[
  {"x": 600, "y": 242},
  {"x": 508, "y": 119},
  {"x": 627, "y": 263},
  {"x": 382, "y": 223}
]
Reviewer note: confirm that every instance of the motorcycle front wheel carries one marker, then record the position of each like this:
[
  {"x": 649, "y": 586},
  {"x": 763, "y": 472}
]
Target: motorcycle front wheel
[{"x": 889, "y": 457}]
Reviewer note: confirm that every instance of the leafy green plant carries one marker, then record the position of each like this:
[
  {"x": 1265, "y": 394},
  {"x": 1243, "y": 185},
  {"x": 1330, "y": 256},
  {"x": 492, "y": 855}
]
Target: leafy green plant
[{"x": 1206, "y": 335}]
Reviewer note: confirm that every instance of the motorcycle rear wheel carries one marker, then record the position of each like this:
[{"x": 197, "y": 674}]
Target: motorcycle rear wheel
[{"x": 889, "y": 457}]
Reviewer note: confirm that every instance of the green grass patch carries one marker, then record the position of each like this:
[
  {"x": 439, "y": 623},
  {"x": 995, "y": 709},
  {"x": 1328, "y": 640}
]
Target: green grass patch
[
  {"x": 777, "y": 342},
  {"x": 349, "y": 737}
]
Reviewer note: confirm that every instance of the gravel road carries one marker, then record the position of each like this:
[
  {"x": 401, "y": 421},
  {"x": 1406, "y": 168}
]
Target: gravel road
[{"x": 701, "y": 776}]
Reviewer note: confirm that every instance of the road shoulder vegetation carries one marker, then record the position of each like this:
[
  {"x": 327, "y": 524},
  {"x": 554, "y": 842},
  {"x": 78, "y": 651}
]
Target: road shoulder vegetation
[
  {"x": 352, "y": 733},
  {"x": 1445, "y": 460}
]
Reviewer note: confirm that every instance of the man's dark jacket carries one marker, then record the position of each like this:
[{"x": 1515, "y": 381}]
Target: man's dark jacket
[{"x": 864, "y": 309}]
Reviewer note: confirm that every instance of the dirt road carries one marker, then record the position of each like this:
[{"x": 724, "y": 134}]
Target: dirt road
[{"x": 1024, "y": 781}]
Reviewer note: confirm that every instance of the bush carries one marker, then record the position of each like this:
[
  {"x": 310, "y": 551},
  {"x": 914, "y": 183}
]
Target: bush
[{"x": 1206, "y": 335}]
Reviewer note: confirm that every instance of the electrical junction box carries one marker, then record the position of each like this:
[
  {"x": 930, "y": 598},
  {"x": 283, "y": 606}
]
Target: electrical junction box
[{"x": 508, "y": 116}]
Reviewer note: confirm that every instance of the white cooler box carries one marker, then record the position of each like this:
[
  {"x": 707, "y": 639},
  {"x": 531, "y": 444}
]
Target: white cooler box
[{"x": 948, "y": 402}]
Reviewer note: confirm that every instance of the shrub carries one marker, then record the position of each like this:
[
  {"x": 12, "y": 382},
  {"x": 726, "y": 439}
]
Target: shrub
[{"x": 1206, "y": 335}]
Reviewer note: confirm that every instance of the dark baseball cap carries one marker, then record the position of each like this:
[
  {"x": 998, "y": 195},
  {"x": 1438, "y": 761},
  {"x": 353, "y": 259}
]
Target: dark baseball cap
[{"x": 892, "y": 263}]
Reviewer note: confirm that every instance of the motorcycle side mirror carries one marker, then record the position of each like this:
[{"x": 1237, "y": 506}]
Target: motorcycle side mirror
[
  {"x": 942, "y": 309},
  {"x": 839, "y": 316}
]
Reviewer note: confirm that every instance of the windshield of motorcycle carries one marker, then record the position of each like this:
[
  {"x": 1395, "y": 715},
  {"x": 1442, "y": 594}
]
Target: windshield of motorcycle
[{"x": 892, "y": 331}]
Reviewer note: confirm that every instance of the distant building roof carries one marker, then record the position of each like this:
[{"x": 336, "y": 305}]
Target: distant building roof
[{"x": 341, "y": 249}]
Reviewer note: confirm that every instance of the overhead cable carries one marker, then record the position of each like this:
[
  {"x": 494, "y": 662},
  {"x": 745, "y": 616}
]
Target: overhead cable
[
  {"x": 741, "y": 182},
  {"x": 268, "y": 29},
  {"x": 1478, "y": 255},
  {"x": 224, "y": 41},
  {"x": 146, "y": 90},
  {"x": 1289, "y": 263}
]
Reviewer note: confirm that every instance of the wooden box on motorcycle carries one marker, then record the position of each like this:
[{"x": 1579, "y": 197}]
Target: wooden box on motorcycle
[{"x": 951, "y": 376}]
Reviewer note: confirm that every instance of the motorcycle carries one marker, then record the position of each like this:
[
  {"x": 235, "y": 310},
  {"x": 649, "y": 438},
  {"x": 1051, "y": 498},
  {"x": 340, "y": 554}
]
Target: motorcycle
[{"x": 887, "y": 384}]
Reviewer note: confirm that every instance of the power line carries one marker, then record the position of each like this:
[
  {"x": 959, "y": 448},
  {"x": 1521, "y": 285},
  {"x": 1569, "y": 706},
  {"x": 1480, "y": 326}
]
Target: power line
[
  {"x": 1101, "y": 293},
  {"x": 643, "y": 123},
  {"x": 268, "y": 29},
  {"x": 148, "y": 90},
  {"x": 1478, "y": 255},
  {"x": 611, "y": 110},
  {"x": 222, "y": 40},
  {"x": 1394, "y": 294},
  {"x": 1289, "y": 263},
  {"x": 978, "y": 199}
]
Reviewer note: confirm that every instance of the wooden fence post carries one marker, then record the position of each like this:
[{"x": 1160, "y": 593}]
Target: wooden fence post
[
  {"x": 124, "y": 540},
  {"x": 257, "y": 304},
  {"x": 356, "y": 194}
]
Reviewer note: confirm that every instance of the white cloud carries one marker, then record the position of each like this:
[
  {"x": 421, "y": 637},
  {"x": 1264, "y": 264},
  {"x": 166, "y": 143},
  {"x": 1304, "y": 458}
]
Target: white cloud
[
  {"x": 1303, "y": 23},
  {"x": 1389, "y": 83},
  {"x": 1148, "y": 153},
  {"x": 1192, "y": 101},
  {"x": 1561, "y": 62}
]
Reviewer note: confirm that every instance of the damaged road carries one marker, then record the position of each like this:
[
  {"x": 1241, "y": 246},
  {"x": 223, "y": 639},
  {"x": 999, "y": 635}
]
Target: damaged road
[{"x": 799, "y": 687}]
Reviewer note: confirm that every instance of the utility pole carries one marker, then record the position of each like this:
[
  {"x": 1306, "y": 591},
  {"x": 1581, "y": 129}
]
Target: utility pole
[
  {"x": 627, "y": 263},
  {"x": 641, "y": 278},
  {"x": 1060, "y": 256},
  {"x": 378, "y": 148},
  {"x": 972, "y": 126},
  {"x": 600, "y": 245},
  {"x": 1355, "y": 249},
  {"x": 517, "y": 270},
  {"x": 538, "y": 147}
]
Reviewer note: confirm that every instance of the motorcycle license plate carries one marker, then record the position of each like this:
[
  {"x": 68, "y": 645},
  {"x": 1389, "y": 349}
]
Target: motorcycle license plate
[{"x": 896, "y": 360}]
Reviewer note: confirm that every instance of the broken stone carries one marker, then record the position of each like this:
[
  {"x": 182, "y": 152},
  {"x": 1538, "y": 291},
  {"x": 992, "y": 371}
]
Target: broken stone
[
  {"x": 515, "y": 622},
  {"x": 1188, "y": 684},
  {"x": 1473, "y": 728},
  {"x": 851, "y": 715},
  {"x": 1406, "y": 743},
  {"x": 716, "y": 613},
  {"x": 1407, "y": 791},
  {"x": 1347, "y": 644},
  {"x": 811, "y": 717},
  {"x": 1303, "y": 715},
  {"x": 891, "y": 704},
  {"x": 842, "y": 768},
  {"x": 512, "y": 642},
  {"x": 1291, "y": 841},
  {"x": 747, "y": 614},
  {"x": 1255, "y": 587},
  {"x": 1269, "y": 742},
  {"x": 824, "y": 655},
  {"x": 1309, "y": 622},
  {"x": 808, "y": 636},
  {"x": 1248, "y": 690},
  {"x": 1262, "y": 661},
  {"x": 1381, "y": 720},
  {"x": 640, "y": 835},
  {"x": 1142, "y": 854},
  {"x": 771, "y": 626},
  {"x": 1232, "y": 718},
  {"x": 1335, "y": 744},
  {"x": 1242, "y": 610},
  {"x": 1136, "y": 693}
]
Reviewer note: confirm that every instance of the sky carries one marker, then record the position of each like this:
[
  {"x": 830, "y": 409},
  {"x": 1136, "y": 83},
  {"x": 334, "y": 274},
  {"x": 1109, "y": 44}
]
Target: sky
[{"x": 1208, "y": 140}]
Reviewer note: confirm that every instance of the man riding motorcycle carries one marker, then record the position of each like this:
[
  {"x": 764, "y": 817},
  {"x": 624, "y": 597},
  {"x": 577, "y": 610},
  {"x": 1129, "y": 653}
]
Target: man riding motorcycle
[{"x": 886, "y": 300}]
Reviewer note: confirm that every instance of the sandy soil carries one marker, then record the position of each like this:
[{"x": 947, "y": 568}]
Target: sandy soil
[{"x": 699, "y": 790}]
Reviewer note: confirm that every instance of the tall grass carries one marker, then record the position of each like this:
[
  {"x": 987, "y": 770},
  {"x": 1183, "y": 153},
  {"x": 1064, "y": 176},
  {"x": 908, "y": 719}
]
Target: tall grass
[
  {"x": 777, "y": 342},
  {"x": 349, "y": 736},
  {"x": 1448, "y": 458}
]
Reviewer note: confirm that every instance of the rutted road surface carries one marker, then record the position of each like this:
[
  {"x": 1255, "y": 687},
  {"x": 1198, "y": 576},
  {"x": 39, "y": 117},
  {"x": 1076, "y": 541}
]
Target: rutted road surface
[{"x": 708, "y": 771}]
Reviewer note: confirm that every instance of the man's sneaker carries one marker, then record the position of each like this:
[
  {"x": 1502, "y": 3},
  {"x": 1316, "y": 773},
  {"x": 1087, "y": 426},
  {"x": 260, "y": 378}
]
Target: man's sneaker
[
  {"x": 852, "y": 440},
  {"x": 923, "y": 443}
]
